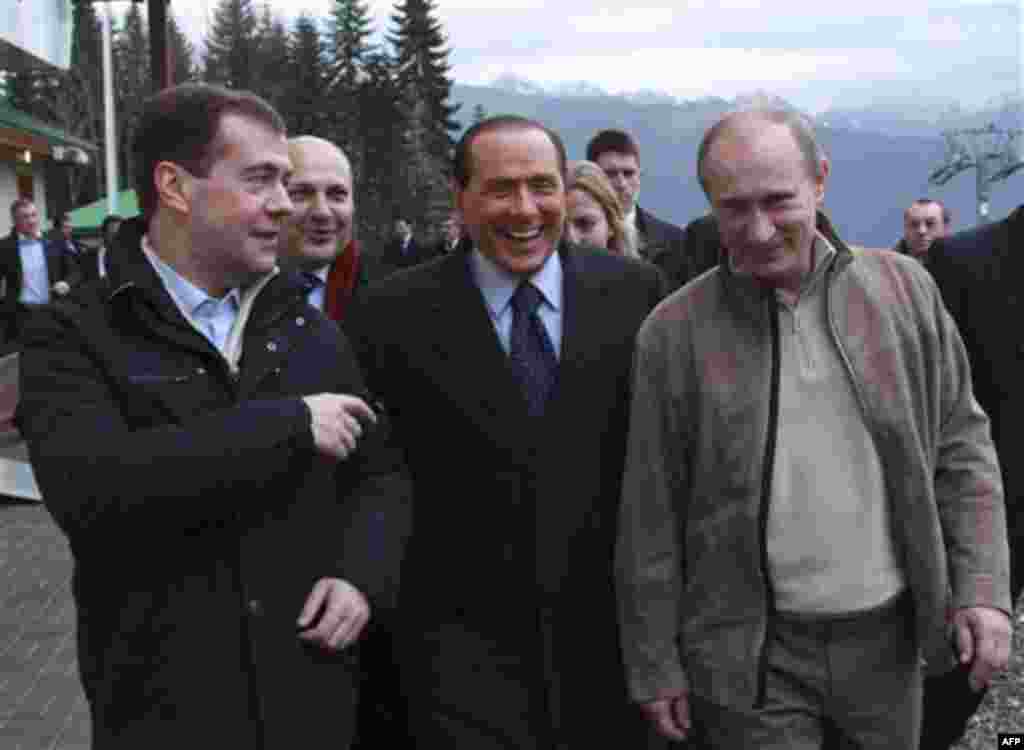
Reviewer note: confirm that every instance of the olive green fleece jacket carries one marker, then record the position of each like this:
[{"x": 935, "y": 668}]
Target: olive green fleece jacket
[{"x": 695, "y": 597}]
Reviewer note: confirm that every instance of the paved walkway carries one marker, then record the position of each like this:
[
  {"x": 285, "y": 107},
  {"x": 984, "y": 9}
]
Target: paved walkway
[{"x": 41, "y": 701}]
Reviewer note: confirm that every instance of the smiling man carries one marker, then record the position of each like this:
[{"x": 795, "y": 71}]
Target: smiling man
[
  {"x": 318, "y": 235},
  {"x": 194, "y": 427},
  {"x": 810, "y": 486},
  {"x": 506, "y": 366}
]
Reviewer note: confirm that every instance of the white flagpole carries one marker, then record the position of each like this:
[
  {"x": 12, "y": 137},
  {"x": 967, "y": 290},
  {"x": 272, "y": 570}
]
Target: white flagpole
[{"x": 109, "y": 130}]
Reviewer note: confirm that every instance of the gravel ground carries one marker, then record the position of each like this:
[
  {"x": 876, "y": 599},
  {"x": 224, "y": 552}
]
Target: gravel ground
[{"x": 1003, "y": 707}]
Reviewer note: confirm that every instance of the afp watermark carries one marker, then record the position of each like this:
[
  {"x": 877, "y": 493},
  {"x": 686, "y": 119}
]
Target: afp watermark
[{"x": 1010, "y": 739}]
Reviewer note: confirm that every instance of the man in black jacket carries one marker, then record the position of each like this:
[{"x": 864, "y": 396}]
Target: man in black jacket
[
  {"x": 197, "y": 431},
  {"x": 664, "y": 244},
  {"x": 979, "y": 272}
]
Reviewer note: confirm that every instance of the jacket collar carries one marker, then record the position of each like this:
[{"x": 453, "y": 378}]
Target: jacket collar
[
  {"x": 749, "y": 291},
  {"x": 129, "y": 273}
]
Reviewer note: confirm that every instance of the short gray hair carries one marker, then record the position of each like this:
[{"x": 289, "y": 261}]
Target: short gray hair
[{"x": 799, "y": 125}]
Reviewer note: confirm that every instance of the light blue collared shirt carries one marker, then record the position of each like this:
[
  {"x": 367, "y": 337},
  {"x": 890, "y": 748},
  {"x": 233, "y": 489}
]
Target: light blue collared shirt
[
  {"x": 498, "y": 285},
  {"x": 35, "y": 277},
  {"x": 212, "y": 317}
]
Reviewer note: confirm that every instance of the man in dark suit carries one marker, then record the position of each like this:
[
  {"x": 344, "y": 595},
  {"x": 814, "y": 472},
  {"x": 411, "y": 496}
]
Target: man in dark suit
[
  {"x": 64, "y": 239},
  {"x": 618, "y": 154},
  {"x": 318, "y": 242},
  {"x": 403, "y": 251},
  {"x": 506, "y": 369},
  {"x": 33, "y": 270},
  {"x": 924, "y": 221},
  {"x": 318, "y": 235},
  {"x": 93, "y": 263},
  {"x": 979, "y": 272}
]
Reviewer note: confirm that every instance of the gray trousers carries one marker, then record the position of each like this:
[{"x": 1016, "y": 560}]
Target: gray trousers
[{"x": 858, "y": 674}]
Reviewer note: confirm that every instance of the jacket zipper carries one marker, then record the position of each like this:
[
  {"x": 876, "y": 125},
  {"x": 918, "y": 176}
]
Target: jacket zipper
[{"x": 766, "y": 495}]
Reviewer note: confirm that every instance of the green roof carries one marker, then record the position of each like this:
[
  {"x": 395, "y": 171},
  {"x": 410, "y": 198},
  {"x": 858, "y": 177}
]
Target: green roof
[
  {"x": 91, "y": 215},
  {"x": 18, "y": 120}
]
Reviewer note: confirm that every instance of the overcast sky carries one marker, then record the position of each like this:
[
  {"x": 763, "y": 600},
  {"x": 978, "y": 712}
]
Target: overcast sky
[{"x": 815, "y": 54}]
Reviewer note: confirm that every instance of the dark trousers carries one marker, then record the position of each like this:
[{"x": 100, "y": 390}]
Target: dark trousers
[{"x": 382, "y": 719}]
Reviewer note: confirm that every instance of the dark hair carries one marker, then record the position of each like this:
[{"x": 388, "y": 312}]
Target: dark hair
[
  {"x": 798, "y": 125},
  {"x": 947, "y": 214},
  {"x": 20, "y": 203},
  {"x": 618, "y": 141},
  {"x": 181, "y": 125},
  {"x": 462, "y": 158}
]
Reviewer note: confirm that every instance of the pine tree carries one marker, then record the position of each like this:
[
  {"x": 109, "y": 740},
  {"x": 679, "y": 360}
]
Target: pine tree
[
  {"x": 183, "y": 53},
  {"x": 422, "y": 76},
  {"x": 348, "y": 51},
  {"x": 304, "y": 102},
  {"x": 272, "y": 60},
  {"x": 380, "y": 140},
  {"x": 133, "y": 84},
  {"x": 231, "y": 46}
]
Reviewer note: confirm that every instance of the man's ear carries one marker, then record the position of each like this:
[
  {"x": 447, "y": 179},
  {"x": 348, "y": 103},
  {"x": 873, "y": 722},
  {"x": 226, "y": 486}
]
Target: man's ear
[
  {"x": 819, "y": 183},
  {"x": 173, "y": 187}
]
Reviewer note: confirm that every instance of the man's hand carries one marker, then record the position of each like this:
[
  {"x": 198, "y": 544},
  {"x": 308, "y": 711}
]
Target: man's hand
[
  {"x": 61, "y": 288},
  {"x": 983, "y": 641},
  {"x": 670, "y": 716},
  {"x": 337, "y": 422},
  {"x": 344, "y": 613}
]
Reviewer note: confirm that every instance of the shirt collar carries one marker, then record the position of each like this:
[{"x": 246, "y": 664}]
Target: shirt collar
[
  {"x": 186, "y": 295},
  {"x": 498, "y": 285},
  {"x": 823, "y": 254},
  {"x": 27, "y": 238}
]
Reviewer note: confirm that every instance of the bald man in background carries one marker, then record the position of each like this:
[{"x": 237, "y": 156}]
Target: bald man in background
[
  {"x": 318, "y": 237},
  {"x": 317, "y": 241}
]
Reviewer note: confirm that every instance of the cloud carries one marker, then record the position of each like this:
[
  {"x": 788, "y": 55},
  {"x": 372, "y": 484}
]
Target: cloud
[
  {"x": 809, "y": 52},
  {"x": 624, "y": 21},
  {"x": 691, "y": 72}
]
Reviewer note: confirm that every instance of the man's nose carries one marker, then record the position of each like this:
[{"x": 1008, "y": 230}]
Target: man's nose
[
  {"x": 525, "y": 201},
  {"x": 761, "y": 227},
  {"x": 279, "y": 204}
]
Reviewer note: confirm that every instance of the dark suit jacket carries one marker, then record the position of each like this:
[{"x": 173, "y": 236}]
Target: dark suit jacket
[
  {"x": 681, "y": 254},
  {"x": 394, "y": 259},
  {"x": 980, "y": 272},
  {"x": 507, "y": 588},
  {"x": 60, "y": 265}
]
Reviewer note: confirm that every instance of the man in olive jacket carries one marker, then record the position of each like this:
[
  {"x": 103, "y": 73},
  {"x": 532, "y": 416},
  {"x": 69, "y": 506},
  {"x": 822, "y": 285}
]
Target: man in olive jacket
[
  {"x": 811, "y": 488},
  {"x": 196, "y": 430}
]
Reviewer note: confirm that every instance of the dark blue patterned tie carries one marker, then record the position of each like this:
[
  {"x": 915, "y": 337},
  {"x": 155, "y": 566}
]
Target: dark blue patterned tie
[
  {"x": 530, "y": 350},
  {"x": 311, "y": 282}
]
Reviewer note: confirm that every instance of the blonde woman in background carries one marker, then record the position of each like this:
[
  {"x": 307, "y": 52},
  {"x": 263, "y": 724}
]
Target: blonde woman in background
[{"x": 594, "y": 215}]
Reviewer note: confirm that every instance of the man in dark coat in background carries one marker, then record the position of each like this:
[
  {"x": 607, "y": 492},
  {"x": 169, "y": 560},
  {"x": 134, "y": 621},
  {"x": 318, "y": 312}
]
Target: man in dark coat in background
[
  {"x": 662, "y": 243},
  {"x": 197, "y": 432},
  {"x": 505, "y": 365},
  {"x": 33, "y": 272},
  {"x": 980, "y": 272}
]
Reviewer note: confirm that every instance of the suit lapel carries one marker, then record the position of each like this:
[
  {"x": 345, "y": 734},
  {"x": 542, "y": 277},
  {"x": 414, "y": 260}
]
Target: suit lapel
[
  {"x": 54, "y": 269},
  {"x": 474, "y": 362},
  {"x": 583, "y": 308}
]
